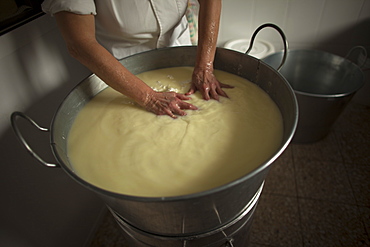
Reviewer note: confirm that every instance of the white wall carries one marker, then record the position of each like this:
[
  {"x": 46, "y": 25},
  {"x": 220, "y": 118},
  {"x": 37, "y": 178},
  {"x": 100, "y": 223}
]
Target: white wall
[
  {"x": 39, "y": 206},
  {"x": 44, "y": 207},
  {"x": 334, "y": 25}
]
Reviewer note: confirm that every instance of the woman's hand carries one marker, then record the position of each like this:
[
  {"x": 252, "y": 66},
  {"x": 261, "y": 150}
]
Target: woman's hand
[
  {"x": 168, "y": 103},
  {"x": 204, "y": 81}
]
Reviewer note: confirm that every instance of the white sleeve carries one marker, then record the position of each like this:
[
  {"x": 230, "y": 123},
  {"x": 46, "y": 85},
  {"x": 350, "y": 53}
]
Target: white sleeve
[{"x": 82, "y": 7}]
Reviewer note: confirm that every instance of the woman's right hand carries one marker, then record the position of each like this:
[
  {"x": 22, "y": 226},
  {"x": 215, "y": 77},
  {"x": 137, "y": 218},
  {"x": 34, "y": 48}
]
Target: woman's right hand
[{"x": 168, "y": 103}]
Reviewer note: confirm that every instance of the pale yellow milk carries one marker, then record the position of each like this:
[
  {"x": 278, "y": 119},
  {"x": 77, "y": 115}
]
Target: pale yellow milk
[{"x": 118, "y": 146}]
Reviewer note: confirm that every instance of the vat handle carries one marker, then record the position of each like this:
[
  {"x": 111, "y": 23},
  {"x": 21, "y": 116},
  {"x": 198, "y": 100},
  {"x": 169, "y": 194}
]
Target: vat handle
[
  {"x": 364, "y": 53},
  {"x": 20, "y": 137},
  {"x": 285, "y": 42}
]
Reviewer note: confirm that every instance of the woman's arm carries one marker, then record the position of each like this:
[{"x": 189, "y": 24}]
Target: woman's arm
[
  {"x": 203, "y": 78},
  {"x": 78, "y": 32}
]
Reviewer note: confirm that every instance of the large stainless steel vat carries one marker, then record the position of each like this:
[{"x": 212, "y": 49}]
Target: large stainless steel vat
[{"x": 187, "y": 215}]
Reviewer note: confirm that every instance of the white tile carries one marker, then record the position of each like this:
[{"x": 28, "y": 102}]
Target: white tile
[
  {"x": 25, "y": 34},
  {"x": 273, "y": 11},
  {"x": 305, "y": 23},
  {"x": 338, "y": 20},
  {"x": 365, "y": 11},
  {"x": 303, "y": 20},
  {"x": 236, "y": 20},
  {"x": 270, "y": 11},
  {"x": 30, "y": 69},
  {"x": 361, "y": 32}
]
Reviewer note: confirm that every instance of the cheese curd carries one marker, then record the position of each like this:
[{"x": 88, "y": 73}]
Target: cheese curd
[{"x": 118, "y": 146}]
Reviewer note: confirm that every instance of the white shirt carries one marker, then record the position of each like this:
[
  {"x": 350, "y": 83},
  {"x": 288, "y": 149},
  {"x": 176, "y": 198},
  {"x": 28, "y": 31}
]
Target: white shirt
[{"x": 126, "y": 27}]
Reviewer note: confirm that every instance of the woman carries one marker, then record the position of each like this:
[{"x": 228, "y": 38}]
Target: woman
[{"x": 98, "y": 32}]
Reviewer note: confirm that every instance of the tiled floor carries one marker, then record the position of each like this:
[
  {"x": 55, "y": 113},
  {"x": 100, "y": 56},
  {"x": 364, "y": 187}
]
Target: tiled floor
[{"x": 315, "y": 194}]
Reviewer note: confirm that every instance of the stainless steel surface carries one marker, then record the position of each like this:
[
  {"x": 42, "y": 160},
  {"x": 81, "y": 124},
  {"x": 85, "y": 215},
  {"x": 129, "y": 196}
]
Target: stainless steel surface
[
  {"x": 323, "y": 83},
  {"x": 285, "y": 42},
  {"x": 235, "y": 233},
  {"x": 196, "y": 213}
]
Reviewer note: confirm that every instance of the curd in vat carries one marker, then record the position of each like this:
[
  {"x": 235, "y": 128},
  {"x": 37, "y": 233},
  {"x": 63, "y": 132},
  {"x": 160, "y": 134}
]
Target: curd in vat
[{"x": 120, "y": 147}]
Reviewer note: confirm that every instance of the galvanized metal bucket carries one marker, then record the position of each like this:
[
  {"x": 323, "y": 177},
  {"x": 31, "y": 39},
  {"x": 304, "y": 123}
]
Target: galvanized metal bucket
[
  {"x": 323, "y": 84},
  {"x": 180, "y": 216}
]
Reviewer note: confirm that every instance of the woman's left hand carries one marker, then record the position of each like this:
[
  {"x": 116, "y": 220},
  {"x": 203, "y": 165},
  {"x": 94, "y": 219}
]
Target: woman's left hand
[{"x": 204, "y": 81}]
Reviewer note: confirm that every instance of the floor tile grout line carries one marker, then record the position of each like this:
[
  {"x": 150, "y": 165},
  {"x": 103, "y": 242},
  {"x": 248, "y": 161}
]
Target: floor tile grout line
[
  {"x": 363, "y": 221},
  {"x": 351, "y": 185},
  {"x": 328, "y": 201},
  {"x": 296, "y": 192},
  {"x": 339, "y": 145},
  {"x": 346, "y": 167},
  {"x": 314, "y": 199},
  {"x": 263, "y": 245}
]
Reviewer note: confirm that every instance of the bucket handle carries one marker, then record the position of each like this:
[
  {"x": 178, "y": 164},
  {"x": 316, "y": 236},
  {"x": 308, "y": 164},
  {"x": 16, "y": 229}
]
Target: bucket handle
[
  {"x": 285, "y": 42},
  {"x": 364, "y": 52},
  {"x": 20, "y": 137}
]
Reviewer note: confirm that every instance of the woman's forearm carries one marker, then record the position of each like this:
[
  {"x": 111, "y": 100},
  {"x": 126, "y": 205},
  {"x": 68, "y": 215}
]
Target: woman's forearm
[
  {"x": 203, "y": 79},
  {"x": 209, "y": 21}
]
